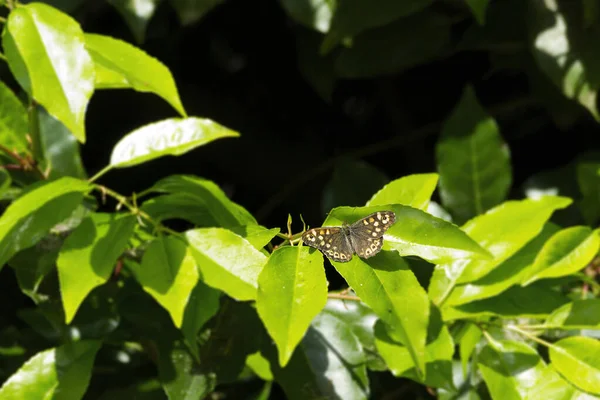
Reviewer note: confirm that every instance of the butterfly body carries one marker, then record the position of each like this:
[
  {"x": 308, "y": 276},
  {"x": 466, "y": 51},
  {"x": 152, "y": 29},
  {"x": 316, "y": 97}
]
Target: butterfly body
[{"x": 364, "y": 237}]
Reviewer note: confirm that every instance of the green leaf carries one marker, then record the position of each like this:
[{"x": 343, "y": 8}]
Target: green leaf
[
  {"x": 406, "y": 43},
  {"x": 168, "y": 273},
  {"x": 577, "y": 358},
  {"x": 315, "y": 14},
  {"x": 478, "y": 8},
  {"x": 497, "y": 232},
  {"x": 260, "y": 366},
  {"x": 352, "y": 183},
  {"x": 552, "y": 386},
  {"x": 292, "y": 289},
  {"x": 535, "y": 301},
  {"x": 32, "y": 215},
  {"x": 509, "y": 273},
  {"x": 190, "y": 11},
  {"x": 589, "y": 185},
  {"x": 469, "y": 338},
  {"x": 121, "y": 65},
  {"x": 88, "y": 256},
  {"x": 206, "y": 203},
  {"x": 510, "y": 369},
  {"x": 59, "y": 373},
  {"x": 227, "y": 261},
  {"x": 46, "y": 54},
  {"x": 202, "y": 305},
  {"x": 60, "y": 148},
  {"x": 387, "y": 285},
  {"x": 136, "y": 14},
  {"x": 31, "y": 265},
  {"x": 473, "y": 160},
  {"x": 564, "y": 49},
  {"x": 438, "y": 354},
  {"x": 174, "y": 136},
  {"x": 580, "y": 314},
  {"x": 361, "y": 320},
  {"x": 257, "y": 235},
  {"x": 13, "y": 121},
  {"x": 351, "y": 18},
  {"x": 565, "y": 253},
  {"x": 412, "y": 190}
]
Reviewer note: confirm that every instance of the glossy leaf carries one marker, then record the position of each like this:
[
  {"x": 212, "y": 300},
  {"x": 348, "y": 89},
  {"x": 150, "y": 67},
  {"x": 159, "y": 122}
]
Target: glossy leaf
[
  {"x": 190, "y": 11},
  {"x": 552, "y": 386},
  {"x": 495, "y": 231},
  {"x": 352, "y": 183},
  {"x": 137, "y": 15},
  {"x": 473, "y": 160},
  {"x": 478, "y": 8},
  {"x": 168, "y": 272},
  {"x": 58, "y": 373},
  {"x": 403, "y": 44},
  {"x": 580, "y": 314},
  {"x": 387, "y": 285},
  {"x": 202, "y": 305},
  {"x": 292, "y": 290},
  {"x": 46, "y": 54},
  {"x": 174, "y": 136},
  {"x": 577, "y": 358},
  {"x": 565, "y": 253},
  {"x": 509, "y": 273},
  {"x": 121, "y": 65},
  {"x": 313, "y": 14},
  {"x": 561, "y": 47},
  {"x": 60, "y": 148},
  {"x": 227, "y": 261},
  {"x": 257, "y": 235},
  {"x": 535, "y": 301},
  {"x": 13, "y": 121},
  {"x": 351, "y": 18},
  {"x": 412, "y": 190},
  {"x": 88, "y": 256},
  {"x": 438, "y": 354},
  {"x": 510, "y": 369},
  {"x": 32, "y": 215}
]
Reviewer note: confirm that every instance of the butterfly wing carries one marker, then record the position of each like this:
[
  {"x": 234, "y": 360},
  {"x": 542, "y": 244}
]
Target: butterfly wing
[
  {"x": 331, "y": 241},
  {"x": 366, "y": 234}
]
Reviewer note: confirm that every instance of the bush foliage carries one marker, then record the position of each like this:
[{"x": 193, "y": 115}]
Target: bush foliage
[{"x": 485, "y": 288}]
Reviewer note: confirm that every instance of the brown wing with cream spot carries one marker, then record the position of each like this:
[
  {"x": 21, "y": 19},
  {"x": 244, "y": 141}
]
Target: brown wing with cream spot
[
  {"x": 330, "y": 241},
  {"x": 367, "y": 234}
]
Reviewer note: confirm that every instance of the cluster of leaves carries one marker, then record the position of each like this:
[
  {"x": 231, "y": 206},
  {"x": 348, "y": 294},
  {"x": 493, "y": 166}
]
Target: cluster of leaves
[{"x": 503, "y": 306}]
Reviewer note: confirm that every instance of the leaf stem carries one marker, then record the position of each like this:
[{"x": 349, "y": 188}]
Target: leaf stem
[
  {"x": 100, "y": 173},
  {"x": 343, "y": 296},
  {"x": 529, "y": 335}
]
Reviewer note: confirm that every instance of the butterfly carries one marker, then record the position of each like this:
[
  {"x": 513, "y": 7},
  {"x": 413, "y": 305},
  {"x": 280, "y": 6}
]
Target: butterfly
[{"x": 364, "y": 237}]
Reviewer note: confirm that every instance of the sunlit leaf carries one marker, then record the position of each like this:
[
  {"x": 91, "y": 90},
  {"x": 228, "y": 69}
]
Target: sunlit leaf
[
  {"x": 13, "y": 121},
  {"x": 412, "y": 190},
  {"x": 577, "y": 358},
  {"x": 580, "y": 314}
]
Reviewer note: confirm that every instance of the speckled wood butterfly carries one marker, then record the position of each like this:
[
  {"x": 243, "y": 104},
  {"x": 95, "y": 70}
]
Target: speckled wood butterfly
[{"x": 364, "y": 237}]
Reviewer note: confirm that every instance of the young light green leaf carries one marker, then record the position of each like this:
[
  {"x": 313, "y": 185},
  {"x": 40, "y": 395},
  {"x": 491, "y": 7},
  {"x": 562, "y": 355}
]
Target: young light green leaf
[
  {"x": 438, "y": 354},
  {"x": 88, "y": 256},
  {"x": 292, "y": 289},
  {"x": 577, "y": 358},
  {"x": 174, "y": 136},
  {"x": 121, "y": 65},
  {"x": 260, "y": 366},
  {"x": 227, "y": 261},
  {"x": 387, "y": 285},
  {"x": 168, "y": 272},
  {"x": 13, "y": 121},
  {"x": 560, "y": 45},
  {"x": 497, "y": 232},
  {"x": 202, "y": 305},
  {"x": 412, "y": 190},
  {"x": 32, "y": 215},
  {"x": 509, "y": 273},
  {"x": 470, "y": 335},
  {"x": 565, "y": 253},
  {"x": 473, "y": 160},
  {"x": 46, "y": 54},
  {"x": 535, "y": 301},
  {"x": 213, "y": 205},
  {"x": 551, "y": 385},
  {"x": 510, "y": 369},
  {"x": 580, "y": 314},
  {"x": 59, "y": 373},
  {"x": 257, "y": 235}
]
